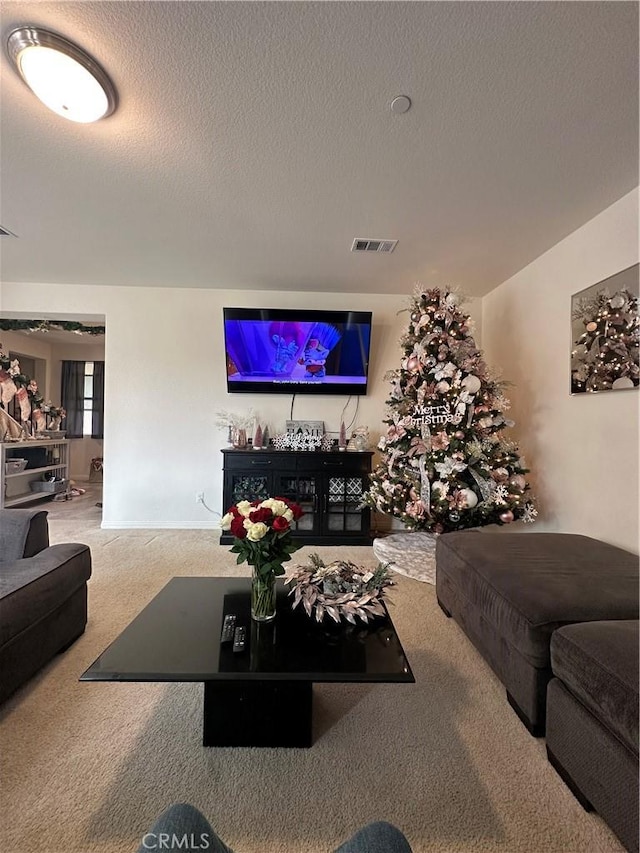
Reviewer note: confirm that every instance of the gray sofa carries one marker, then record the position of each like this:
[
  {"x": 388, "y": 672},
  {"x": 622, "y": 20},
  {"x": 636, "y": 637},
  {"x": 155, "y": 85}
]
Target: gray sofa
[
  {"x": 592, "y": 719},
  {"x": 43, "y": 595}
]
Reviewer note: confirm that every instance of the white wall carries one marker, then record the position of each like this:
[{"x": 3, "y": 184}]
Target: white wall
[
  {"x": 583, "y": 450},
  {"x": 165, "y": 379}
]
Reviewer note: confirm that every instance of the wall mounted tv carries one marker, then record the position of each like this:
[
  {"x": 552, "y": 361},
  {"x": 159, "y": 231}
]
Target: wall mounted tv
[{"x": 284, "y": 351}]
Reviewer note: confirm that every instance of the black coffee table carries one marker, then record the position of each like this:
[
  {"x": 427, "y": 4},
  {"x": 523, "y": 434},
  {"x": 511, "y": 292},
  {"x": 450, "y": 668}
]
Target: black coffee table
[{"x": 263, "y": 695}]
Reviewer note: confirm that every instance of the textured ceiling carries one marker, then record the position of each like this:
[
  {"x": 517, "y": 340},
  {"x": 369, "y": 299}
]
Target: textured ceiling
[{"x": 254, "y": 141}]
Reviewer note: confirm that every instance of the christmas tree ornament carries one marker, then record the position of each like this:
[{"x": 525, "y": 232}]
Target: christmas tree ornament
[
  {"x": 342, "y": 440},
  {"x": 257, "y": 438},
  {"x": 441, "y": 454},
  {"x": 591, "y": 327},
  {"x": 472, "y": 384},
  {"x": 622, "y": 382},
  {"x": 470, "y": 497}
]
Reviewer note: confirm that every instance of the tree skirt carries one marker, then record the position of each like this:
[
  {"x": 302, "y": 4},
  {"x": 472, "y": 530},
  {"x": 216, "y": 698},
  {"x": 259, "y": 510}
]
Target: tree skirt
[{"x": 411, "y": 554}]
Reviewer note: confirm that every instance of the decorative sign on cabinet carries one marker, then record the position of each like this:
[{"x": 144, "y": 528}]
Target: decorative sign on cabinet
[{"x": 328, "y": 485}]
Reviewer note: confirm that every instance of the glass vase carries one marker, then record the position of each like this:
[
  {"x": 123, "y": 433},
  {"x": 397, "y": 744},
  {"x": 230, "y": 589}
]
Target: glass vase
[{"x": 263, "y": 596}]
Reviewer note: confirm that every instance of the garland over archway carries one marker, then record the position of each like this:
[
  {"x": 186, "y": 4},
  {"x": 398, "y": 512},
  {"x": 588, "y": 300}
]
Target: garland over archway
[{"x": 50, "y": 326}]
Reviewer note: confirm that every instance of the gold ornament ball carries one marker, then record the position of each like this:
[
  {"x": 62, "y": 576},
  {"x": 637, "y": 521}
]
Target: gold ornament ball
[
  {"x": 591, "y": 327},
  {"x": 459, "y": 434},
  {"x": 506, "y": 517}
]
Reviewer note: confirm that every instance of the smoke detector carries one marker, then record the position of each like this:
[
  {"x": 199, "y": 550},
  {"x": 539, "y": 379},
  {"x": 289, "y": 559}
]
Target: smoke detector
[{"x": 367, "y": 244}]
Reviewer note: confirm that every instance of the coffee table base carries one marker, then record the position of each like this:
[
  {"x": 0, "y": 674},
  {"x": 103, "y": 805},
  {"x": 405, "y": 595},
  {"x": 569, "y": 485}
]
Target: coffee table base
[{"x": 258, "y": 713}]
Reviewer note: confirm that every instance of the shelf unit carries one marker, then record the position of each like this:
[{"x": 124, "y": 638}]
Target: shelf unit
[
  {"x": 15, "y": 488},
  {"x": 329, "y": 486}
]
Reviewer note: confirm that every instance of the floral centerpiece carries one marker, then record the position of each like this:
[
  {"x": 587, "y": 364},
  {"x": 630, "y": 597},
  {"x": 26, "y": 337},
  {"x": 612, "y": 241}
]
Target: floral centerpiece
[
  {"x": 340, "y": 589},
  {"x": 262, "y": 538}
]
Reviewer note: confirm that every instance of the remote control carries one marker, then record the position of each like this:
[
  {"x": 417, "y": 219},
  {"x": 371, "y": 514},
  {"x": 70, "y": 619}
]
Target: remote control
[
  {"x": 239, "y": 639},
  {"x": 228, "y": 628}
]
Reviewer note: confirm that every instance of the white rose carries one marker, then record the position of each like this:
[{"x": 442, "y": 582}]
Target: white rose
[
  {"x": 257, "y": 531},
  {"x": 244, "y": 508},
  {"x": 225, "y": 521},
  {"x": 279, "y": 508},
  {"x": 267, "y": 504},
  {"x": 287, "y": 514}
]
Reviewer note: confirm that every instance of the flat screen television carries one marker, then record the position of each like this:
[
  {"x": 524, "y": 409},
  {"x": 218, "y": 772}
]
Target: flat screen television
[{"x": 285, "y": 351}]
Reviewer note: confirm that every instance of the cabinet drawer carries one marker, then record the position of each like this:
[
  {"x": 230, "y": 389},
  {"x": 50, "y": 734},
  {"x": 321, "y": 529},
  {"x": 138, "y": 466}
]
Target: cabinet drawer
[
  {"x": 259, "y": 460},
  {"x": 338, "y": 463}
]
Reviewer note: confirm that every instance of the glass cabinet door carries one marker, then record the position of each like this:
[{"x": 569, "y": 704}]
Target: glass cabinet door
[
  {"x": 303, "y": 489},
  {"x": 249, "y": 487},
  {"x": 343, "y": 504}
]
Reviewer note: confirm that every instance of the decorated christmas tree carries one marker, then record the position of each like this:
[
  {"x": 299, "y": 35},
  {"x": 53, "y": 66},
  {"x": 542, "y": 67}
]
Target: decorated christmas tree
[
  {"x": 446, "y": 464},
  {"x": 605, "y": 353}
]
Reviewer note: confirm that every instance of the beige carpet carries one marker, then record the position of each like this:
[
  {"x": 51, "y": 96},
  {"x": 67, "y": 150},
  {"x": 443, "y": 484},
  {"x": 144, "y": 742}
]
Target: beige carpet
[{"x": 86, "y": 767}]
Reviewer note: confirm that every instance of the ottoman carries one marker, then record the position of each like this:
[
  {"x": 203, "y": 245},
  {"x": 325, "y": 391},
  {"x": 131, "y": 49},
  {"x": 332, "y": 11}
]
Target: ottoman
[
  {"x": 592, "y": 719},
  {"x": 509, "y": 592}
]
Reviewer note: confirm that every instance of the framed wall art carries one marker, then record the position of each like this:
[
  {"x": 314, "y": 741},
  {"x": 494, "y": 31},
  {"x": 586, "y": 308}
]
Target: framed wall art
[{"x": 605, "y": 333}]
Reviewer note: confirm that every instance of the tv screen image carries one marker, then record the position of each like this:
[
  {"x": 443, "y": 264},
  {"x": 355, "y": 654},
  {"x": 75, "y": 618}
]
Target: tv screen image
[{"x": 284, "y": 351}]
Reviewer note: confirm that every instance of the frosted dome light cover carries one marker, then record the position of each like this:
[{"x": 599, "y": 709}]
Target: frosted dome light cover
[{"x": 61, "y": 75}]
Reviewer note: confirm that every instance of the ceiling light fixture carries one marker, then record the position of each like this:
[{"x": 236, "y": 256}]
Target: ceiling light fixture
[{"x": 61, "y": 75}]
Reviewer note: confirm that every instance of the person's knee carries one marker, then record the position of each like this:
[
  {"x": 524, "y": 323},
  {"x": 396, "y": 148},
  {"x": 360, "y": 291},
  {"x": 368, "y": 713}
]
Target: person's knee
[
  {"x": 180, "y": 827},
  {"x": 389, "y": 833},
  {"x": 377, "y": 837}
]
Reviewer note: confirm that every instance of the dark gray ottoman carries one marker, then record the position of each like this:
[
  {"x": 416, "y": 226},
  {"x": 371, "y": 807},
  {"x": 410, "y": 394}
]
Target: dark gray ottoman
[
  {"x": 592, "y": 719},
  {"x": 509, "y": 592}
]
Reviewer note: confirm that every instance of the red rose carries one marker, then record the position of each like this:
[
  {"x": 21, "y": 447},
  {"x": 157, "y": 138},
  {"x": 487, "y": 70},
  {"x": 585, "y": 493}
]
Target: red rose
[
  {"x": 237, "y": 527},
  {"x": 280, "y": 523},
  {"x": 263, "y": 514},
  {"x": 296, "y": 509}
]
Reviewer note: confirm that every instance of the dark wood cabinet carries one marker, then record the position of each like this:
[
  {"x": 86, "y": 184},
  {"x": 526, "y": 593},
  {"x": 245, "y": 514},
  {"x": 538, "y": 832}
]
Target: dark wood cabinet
[{"x": 328, "y": 485}]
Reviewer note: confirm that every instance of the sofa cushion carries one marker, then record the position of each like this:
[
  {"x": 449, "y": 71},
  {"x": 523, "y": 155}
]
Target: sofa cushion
[
  {"x": 528, "y": 584},
  {"x": 598, "y": 663},
  {"x": 22, "y": 533},
  {"x": 31, "y": 589}
]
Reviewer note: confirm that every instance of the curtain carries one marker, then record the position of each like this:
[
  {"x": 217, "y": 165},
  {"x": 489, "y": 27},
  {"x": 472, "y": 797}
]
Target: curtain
[
  {"x": 97, "y": 419},
  {"x": 73, "y": 396}
]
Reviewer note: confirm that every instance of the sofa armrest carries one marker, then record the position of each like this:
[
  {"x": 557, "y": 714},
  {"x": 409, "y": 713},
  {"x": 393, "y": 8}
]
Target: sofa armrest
[{"x": 55, "y": 556}]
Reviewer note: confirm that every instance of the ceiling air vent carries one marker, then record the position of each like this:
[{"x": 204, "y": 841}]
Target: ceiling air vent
[
  {"x": 362, "y": 244},
  {"x": 4, "y": 232}
]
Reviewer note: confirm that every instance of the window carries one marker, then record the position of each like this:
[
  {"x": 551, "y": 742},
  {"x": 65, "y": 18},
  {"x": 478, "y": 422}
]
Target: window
[
  {"x": 83, "y": 398},
  {"x": 88, "y": 398}
]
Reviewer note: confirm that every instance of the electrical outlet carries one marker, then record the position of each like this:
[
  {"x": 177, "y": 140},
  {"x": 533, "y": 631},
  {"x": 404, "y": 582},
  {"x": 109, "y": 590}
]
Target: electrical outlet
[{"x": 199, "y": 497}]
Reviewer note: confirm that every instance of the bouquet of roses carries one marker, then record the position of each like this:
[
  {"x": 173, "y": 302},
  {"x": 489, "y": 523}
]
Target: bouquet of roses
[{"x": 262, "y": 531}]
